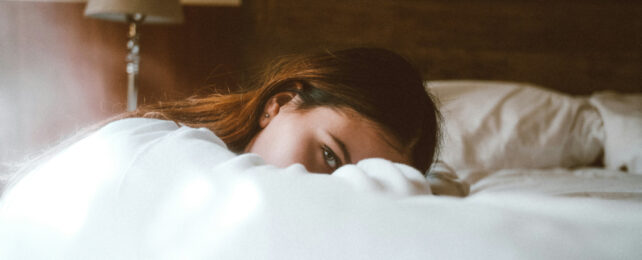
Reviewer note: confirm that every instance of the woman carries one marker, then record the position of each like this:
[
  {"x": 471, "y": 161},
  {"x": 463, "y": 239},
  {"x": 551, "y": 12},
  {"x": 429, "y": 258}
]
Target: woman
[
  {"x": 167, "y": 180},
  {"x": 322, "y": 111}
]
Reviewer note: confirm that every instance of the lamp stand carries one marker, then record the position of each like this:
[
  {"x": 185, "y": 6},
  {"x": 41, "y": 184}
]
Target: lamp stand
[{"x": 133, "y": 60}]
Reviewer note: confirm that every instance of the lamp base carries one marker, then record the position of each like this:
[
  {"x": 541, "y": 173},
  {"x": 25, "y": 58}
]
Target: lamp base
[
  {"x": 133, "y": 60},
  {"x": 132, "y": 91}
]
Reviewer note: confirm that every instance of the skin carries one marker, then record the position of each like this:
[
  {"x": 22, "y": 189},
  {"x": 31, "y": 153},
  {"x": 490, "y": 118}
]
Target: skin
[{"x": 321, "y": 139}]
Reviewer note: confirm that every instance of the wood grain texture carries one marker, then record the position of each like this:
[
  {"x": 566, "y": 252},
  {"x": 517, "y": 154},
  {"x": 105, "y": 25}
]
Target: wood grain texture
[
  {"x": 196, "y": 57},
  {"x": 573, "y": 46}
]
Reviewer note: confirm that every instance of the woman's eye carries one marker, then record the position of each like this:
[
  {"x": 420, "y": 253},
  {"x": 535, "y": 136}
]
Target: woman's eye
[{"x": 330, "y": 158}]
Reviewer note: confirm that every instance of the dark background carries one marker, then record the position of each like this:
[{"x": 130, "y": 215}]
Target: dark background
[{"x": 60, "y": 71}]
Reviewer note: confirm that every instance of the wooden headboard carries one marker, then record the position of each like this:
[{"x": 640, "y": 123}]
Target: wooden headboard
[{"x": 575, "y": 46}]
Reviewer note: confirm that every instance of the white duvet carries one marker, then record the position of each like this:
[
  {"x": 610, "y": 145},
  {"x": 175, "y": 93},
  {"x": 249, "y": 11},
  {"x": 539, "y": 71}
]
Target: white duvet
[{"x": 146, "y": 189}]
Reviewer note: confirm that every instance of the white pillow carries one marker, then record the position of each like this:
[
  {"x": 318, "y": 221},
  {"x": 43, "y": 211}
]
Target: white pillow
[
  {"x": 496, "y": 125},
  {"x": 622, "y": 116}
]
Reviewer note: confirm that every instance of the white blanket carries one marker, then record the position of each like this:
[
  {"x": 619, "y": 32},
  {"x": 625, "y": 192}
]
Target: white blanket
[{"x": 145, "y": 189}]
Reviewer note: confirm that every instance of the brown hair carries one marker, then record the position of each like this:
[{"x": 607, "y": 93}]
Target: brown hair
[{"x": 376, "y": 83}]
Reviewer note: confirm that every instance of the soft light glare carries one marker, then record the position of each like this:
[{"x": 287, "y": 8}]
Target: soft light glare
[
  {"x": 59, "y": 193},
  {"x": 195, "y": 193},
  {"x": 242, "y": 201}
]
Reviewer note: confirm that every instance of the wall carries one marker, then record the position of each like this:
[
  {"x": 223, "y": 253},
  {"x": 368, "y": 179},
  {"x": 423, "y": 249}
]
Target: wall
[
  {"x": 570, "y": 45},
  {"x": 60, "y": 71}
]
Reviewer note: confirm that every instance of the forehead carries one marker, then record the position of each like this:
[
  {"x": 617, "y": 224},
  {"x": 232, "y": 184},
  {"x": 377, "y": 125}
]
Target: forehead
[{"x": 363, "y": 138}]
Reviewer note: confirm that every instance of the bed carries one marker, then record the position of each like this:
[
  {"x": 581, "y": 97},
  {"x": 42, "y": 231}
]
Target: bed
[
  {"x": 497, "y": 134},
  {"x": 523, "y": 173}
]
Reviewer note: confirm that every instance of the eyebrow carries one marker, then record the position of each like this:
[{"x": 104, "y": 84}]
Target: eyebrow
[{"x": 343, "y": 148}]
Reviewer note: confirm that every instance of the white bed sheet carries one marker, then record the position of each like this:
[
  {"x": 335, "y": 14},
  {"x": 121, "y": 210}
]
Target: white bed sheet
[
  {"x": 582, "y": 182},
  {"x": 178, "y": 194}
]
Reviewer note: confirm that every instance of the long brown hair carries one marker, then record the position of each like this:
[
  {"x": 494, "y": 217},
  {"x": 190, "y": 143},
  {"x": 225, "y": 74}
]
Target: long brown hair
[{"x": 376, "y": 83}]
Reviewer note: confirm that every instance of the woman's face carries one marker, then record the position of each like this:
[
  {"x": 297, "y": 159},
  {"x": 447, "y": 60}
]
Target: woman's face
[{"x": 321, "y": 138}]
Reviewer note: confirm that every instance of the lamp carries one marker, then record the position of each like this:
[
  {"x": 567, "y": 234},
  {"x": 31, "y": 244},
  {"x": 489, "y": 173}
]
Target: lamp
[{"x": 135, "y": 12}]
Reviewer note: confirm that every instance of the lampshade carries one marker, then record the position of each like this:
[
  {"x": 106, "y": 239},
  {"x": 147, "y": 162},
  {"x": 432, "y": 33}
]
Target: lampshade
[{"x": 155, "y": 11}]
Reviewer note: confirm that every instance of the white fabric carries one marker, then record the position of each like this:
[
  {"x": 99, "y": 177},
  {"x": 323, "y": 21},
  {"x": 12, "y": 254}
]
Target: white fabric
[
  {"x": 496, "y": 125},
  {"x": 145, "y": 189},
  {"x": 622, "y": 116},
  {"x": 583, "y": 182}
]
